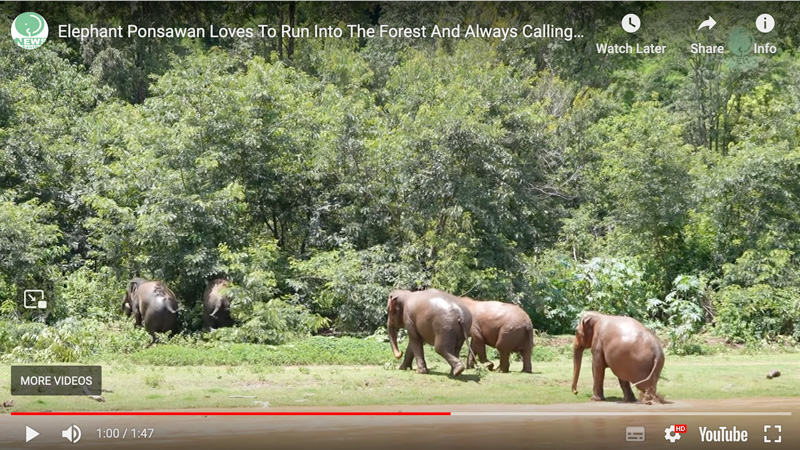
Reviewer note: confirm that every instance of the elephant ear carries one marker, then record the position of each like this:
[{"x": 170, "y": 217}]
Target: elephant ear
[
  {"x": 394, "y": 306},
  {"x": 586, "y": 329}
]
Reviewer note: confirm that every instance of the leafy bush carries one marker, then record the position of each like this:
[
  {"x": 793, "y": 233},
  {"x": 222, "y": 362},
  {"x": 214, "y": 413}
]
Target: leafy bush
[
  {"x": 262, "y": 318},
  {"x": 682, "y": 312},
  {"x": 69, "y": 340},
  {"x": 755, "y": 313},
  {"x": 277, "y": 321},
  {"x": 564, "y": 288},
  {"x": 87, "y": 293},
  {"x": 759, "y": 298},
  {"x": 349, "y": 285}
]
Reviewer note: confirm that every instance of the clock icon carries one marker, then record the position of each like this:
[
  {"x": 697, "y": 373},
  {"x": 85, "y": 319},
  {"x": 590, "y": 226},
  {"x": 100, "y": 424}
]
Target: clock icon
[{"x": 631, "y": 23}]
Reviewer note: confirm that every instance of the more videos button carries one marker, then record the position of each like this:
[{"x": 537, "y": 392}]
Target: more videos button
[{"x": 56, "y": 380}]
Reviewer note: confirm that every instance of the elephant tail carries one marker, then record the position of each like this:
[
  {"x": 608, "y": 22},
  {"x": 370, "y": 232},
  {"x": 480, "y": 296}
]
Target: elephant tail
[
  {"x": 465, "y": 330},
  {"x": 529, "y": 335},
  {"x": 659, "y": 355}
]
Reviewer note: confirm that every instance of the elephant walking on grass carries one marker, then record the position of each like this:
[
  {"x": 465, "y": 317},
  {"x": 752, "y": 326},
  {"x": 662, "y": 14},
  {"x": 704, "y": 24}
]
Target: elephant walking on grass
[
  {"x": 217, "y": 304},
  {"x": 633, "y": 353},
  {"x": 431, "y": 317},
  {"x": 503, "y": 326},
  {"x": 152, "y": 304}
]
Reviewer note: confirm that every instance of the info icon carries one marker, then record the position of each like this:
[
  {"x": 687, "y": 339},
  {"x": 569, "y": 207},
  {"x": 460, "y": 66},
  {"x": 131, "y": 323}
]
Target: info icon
[{"x": 765, "y": 23}]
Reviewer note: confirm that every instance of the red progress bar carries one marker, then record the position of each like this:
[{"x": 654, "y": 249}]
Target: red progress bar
[{"x": 228, "y": 413}]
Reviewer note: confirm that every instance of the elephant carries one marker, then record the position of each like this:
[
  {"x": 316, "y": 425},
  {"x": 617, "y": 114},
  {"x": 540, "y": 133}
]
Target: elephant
[
  {"x": 431, "y": 317},
  {"x": 503, "y": 326},
  {"x": 151, "y": 303},
  {"x": 633, "y": 353},
  {"x": 217, "y": 304}
]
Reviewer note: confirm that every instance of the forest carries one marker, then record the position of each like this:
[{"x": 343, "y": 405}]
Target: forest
[{"x": 321, "y": 173}]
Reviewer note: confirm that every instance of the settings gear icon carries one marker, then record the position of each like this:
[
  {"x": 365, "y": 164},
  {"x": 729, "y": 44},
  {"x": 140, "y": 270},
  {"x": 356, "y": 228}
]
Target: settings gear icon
[{"x": 671, "y": 435}]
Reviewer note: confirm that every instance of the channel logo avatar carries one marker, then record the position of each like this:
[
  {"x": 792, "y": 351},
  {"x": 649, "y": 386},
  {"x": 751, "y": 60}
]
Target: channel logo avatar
[{"x": 29, "y": 30}]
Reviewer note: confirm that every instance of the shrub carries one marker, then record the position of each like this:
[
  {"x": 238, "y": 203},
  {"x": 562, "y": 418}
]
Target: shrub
[
  {"x": 682, "y": 312},
  {"x": 86, "y": 293},
  {"x": 277, "y": 321},
  {"x": 261, "y": 317},
  {"x": 563, "y": 288},
  {"x": 349, "y": 285},
  {"x": 69, "y": 340},
  {"x": 754, "y": 313}
]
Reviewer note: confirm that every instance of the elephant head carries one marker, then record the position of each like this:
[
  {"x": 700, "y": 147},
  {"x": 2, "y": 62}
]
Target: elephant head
[
  {"x": 395, "y": 321},
  {"x": 583, "y": 340},
  {"x": 127, "y": 299}
]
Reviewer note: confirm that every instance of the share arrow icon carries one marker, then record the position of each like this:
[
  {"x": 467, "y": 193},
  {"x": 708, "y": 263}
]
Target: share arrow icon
[
  {"x": 30, "y": 433},
  {"x": 707, "y": 23}
]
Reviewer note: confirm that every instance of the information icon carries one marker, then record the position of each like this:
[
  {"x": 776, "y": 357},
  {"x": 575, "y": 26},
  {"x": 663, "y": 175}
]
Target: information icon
[{"x": 765, "y": 23}]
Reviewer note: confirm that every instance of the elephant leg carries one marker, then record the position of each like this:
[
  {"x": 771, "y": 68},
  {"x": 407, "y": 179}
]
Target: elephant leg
[
  {"x": 627, "y": 391},
  {"x": 479, "y": 350},
  {"x": 153, "y": 340},
  {"x": 408, "y": 357},
  {"x": 526, "y": 360},
  {"x": 505, "y": 362},
  {"x": 445, "y": 348},
  {"x": 418, "y": 348},
  {"x": 598, "y": 373}
]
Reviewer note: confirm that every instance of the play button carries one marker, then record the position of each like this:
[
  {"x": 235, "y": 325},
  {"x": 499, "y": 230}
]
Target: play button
[{"x": 30, "y": 433}]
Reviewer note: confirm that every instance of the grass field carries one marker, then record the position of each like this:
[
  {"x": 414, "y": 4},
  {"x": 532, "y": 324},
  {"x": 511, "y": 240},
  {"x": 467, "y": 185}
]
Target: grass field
[{"x": 367, "y": 375}]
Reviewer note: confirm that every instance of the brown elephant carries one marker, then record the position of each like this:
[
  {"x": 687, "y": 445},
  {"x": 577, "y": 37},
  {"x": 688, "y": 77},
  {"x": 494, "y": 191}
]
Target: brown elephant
[
  {"x": 503, "y": 326},
  {"x": 431, "y": 317},
  {"x": 217, "y": 304},
  {"x": 152, "y": 304},
  {"x": 633, "y": 353}
]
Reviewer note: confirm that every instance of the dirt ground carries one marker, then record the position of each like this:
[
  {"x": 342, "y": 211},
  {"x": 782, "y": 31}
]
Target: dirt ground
[{"x": 562, "y": 426}]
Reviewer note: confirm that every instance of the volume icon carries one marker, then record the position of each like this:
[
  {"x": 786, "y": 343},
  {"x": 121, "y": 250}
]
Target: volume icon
[{"x": 72, "y": 434}]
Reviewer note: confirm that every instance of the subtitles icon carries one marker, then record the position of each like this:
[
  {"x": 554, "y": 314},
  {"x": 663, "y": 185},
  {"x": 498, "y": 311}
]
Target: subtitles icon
[
  {"x": 634, "y": 434},
  {"x": 34, "y": 299}
]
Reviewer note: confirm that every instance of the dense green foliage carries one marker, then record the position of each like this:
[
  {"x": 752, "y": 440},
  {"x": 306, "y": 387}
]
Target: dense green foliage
[{"x": 318, "y": 174}]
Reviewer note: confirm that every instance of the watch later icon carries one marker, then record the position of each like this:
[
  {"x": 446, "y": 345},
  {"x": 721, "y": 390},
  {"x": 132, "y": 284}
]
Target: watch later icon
[
  {"x": 631, "y": 23},
  {"x": 34, "y": 299}
]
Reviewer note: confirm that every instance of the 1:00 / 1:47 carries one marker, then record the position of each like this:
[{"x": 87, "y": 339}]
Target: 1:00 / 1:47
[{"x": 125, "y": 433}]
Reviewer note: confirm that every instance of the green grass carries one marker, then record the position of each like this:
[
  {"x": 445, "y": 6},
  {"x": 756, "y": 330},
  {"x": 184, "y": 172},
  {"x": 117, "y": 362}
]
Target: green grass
[
  {"x": 141, "y": 383},
  {"x": 312, "y": 351}
]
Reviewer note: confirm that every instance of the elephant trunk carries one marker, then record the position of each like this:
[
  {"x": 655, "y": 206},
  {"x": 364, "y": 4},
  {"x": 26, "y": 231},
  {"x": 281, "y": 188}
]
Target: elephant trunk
[
  {"x": 577, "y": 358},
  {"x": 393, "y": 339}
]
